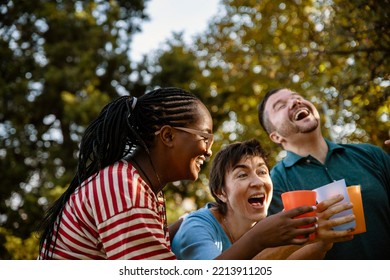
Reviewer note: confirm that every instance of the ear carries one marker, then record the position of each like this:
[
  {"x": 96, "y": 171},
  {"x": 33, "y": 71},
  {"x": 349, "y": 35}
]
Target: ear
[
  {"x": 276, "y": 137},
  {"x": 166, "y": 135},
  {"x": 222, "y": 196}
]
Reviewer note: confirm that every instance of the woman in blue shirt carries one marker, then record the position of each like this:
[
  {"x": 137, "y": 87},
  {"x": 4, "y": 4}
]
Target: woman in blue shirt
[{"x": 241, "y": 185}]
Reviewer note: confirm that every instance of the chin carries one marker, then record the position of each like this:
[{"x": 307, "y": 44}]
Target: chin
[
  {"x": 263, "y": 216},
  {"x": 195, "y": 173},
  {"x": 193, "y": 176},
  {"x": 259, "y": 216}
]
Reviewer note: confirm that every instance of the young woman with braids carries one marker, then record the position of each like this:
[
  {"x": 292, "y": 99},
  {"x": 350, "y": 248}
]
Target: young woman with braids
[{"x": 114, "y": 207}]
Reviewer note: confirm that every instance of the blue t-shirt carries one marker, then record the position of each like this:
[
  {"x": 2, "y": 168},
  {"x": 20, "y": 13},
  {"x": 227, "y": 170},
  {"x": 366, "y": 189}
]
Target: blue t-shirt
[
  {"x": 200, "y": 237},
  {"x": 358, "y": 164}
]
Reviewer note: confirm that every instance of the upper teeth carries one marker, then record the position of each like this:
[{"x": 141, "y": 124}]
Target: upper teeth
[
  {"x": 257, "y": 196},
  {"x": 199, "y": 161}
]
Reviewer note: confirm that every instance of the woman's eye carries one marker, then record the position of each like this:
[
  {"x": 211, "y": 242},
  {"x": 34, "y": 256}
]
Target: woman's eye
[{"x": 263, "y": 172}]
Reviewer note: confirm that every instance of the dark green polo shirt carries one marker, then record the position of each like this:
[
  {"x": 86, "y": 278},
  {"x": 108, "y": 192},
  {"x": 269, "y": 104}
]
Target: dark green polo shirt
[{"x": 362, "y": 164}]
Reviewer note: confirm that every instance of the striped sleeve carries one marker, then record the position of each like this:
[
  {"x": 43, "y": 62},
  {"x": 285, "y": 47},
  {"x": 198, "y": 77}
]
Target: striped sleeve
[
  {"x": 130, "y": 225},
  {"x": 134, "y": 234},
  {"x": 114, "y": 215}
]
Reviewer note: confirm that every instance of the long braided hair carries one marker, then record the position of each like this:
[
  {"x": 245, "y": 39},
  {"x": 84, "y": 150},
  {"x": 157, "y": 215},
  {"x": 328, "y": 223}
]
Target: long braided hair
[{"x": 122, "y": 125}]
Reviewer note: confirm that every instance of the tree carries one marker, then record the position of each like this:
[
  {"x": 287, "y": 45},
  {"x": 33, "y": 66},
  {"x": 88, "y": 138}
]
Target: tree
[
  {"x": 61, "y": 62},
  {"x": 334, "y": 52}
]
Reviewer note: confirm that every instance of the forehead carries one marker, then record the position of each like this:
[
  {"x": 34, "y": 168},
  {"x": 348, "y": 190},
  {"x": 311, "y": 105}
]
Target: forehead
[
  {"x": 248, "y": 161},
  {"x": 203, "y": 117},
  {"x": 280, "y": 96},
  {"x": 283, "y": 93}
]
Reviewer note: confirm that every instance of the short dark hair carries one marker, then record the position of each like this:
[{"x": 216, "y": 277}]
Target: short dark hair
[
  {"x": 263, "y": 118},
  {"x": 225, "y": 160}
]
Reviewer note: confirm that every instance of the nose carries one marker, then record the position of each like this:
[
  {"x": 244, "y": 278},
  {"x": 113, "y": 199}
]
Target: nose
[
  {"x": 257, "y": 181},
  {"x": 294, "y": 102},
  {"x": 209, "y": 152}
]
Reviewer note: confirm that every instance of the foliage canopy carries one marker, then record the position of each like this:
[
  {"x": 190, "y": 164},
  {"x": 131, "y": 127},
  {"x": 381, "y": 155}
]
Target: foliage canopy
[{"x": 61, "y": 61}]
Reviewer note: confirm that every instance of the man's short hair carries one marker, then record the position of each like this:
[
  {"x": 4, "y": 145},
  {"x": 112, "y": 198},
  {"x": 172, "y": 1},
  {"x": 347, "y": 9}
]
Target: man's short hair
[{"x": 263, "y": 118}]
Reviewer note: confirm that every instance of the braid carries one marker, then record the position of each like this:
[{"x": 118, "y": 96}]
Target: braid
[
  {"x": 118, "y": 129},
  {"x": 164, "y": 106},
  {"x": 103, "y": 143}
]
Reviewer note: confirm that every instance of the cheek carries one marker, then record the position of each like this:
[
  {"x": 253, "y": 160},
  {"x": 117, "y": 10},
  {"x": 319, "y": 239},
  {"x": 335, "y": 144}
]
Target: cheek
[
  {"x": 316, "y": 114},
  {"x": 270, "y": 191},
  {"x": 269, "y": 199},
  {"x": 280, "y": 121},
  {"x": 313, "y": 109},
  {"x": 234, "y": 195},
  {"x": 195, "y": 149}
]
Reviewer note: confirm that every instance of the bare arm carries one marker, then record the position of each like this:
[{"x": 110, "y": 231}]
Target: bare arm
[
  {"x": 174, "y": 227},
  {"x": 277, "y": 253}
]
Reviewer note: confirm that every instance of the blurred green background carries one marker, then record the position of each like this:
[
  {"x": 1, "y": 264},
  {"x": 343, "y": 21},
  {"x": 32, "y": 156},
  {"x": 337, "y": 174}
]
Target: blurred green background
[{"x": 62, "y": 61}]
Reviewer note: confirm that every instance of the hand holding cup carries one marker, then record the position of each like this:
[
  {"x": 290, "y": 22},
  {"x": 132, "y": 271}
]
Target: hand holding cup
[
  {"x": 284, "y": 227},
  {"x": 329, "y": 191},
  {"x": 326, "y": 210},
  {"x": 299, "y": 198}
]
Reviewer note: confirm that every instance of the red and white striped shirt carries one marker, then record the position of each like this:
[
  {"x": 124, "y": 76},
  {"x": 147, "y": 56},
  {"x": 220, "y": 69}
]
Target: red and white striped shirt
[{"x": 113, "y": 216}]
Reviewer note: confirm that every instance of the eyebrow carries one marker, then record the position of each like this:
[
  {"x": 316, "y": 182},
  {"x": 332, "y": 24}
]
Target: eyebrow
[
  {"x": 293, "y": 93},
  {"x": 244, "y": 166},
  {"x": 276, "y": 104}
]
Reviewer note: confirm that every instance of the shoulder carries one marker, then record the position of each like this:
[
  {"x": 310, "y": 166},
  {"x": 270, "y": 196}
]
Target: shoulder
[
  {"x": 118, "y": 188},
  {"x": 201, "y": 219},
  {"x": 202, "y": 214},
  {"x": 278, "y": 170},
  {"x": 364, "y": 155},
  {"x": 363, "y": 149},
  {"x": 200, "y": 236}
]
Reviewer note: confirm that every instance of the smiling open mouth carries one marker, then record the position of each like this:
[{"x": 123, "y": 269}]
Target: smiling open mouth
[
  {"x": 199, "y": 162},
  {"x": 257, "y": 200},
  {"x": 301, "y": 114}
]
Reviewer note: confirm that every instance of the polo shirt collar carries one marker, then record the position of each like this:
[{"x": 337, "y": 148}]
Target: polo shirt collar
[{"x": 292, "y": 158}]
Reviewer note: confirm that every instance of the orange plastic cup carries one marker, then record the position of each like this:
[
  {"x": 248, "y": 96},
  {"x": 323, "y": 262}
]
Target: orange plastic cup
[
  {"x": 355, "y": 196},
  {"x": 299, "y": 198}
]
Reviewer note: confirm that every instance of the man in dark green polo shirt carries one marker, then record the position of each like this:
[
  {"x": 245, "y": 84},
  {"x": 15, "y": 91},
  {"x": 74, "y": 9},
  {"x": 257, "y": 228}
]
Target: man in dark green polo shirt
[{"x": 312, "y": 161}]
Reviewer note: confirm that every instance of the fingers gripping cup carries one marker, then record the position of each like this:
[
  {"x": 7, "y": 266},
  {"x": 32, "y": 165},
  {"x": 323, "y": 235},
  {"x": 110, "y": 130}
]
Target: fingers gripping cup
[
  {"x": 332, "y": 189},
  {"x": 294, "y": 199},
  {"x": 355, "y": 197}
]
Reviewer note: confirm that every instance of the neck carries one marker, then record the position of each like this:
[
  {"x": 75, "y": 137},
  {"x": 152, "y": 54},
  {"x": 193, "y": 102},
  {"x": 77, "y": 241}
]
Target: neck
[
  {"x": 234, "y": 228},
  {"x": 313, "y": 145},
  {"x": 142, "y": 161}
]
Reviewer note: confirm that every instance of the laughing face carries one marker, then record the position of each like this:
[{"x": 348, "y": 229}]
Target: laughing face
[
  {"x": 194, "y": 145},
  {"x": 290, "y": 114},
  {"x": 248, "y": 189}
]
